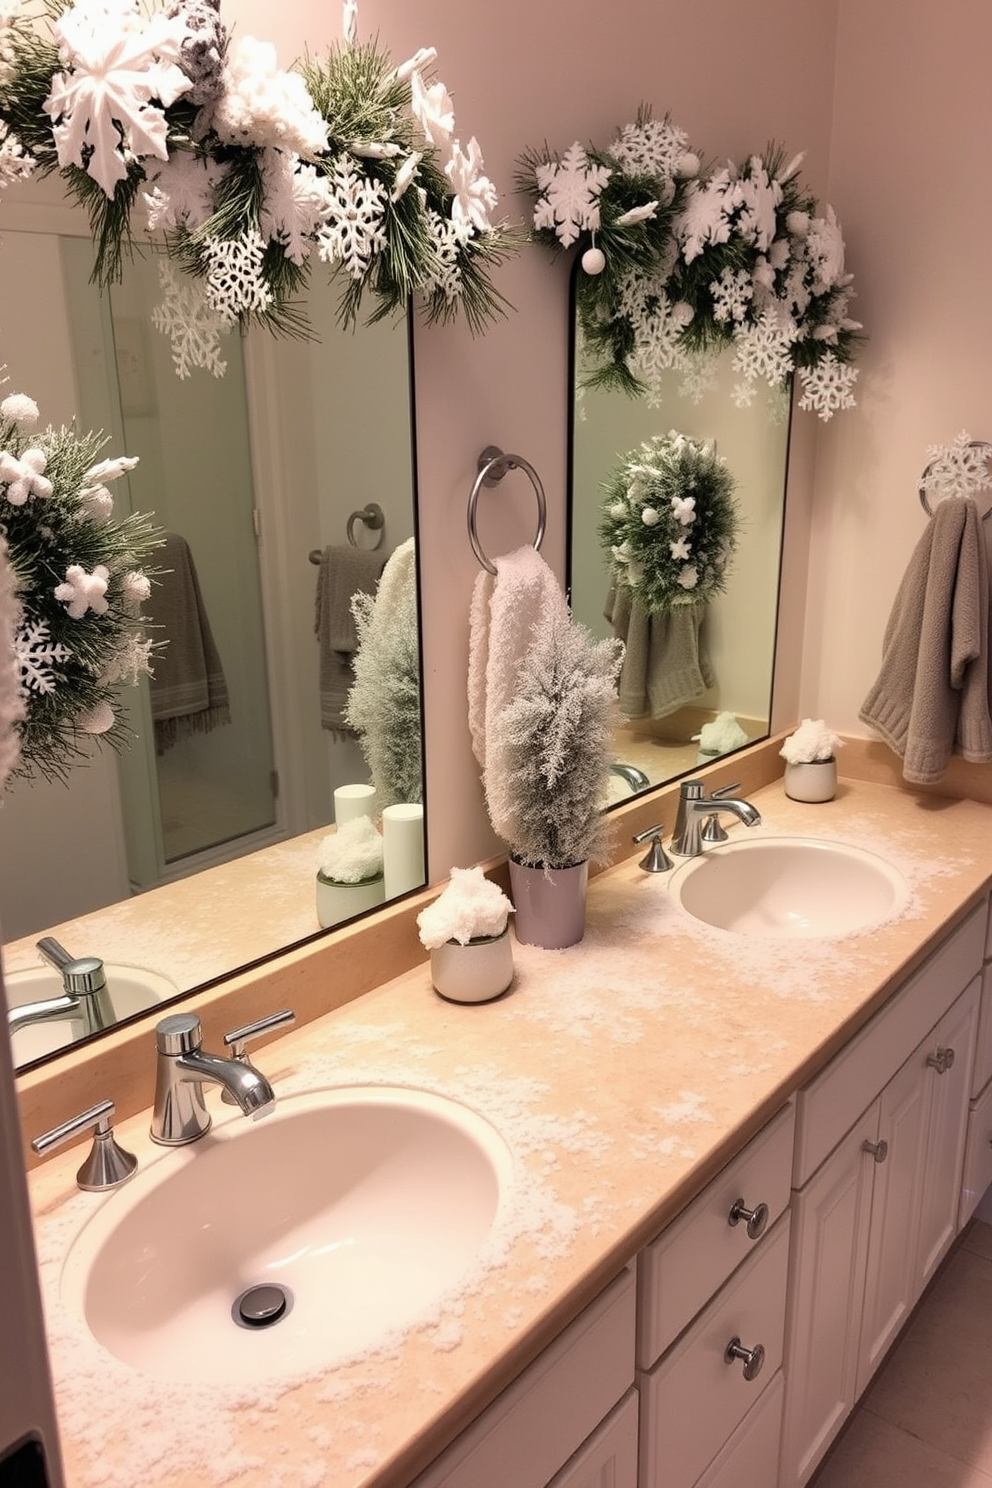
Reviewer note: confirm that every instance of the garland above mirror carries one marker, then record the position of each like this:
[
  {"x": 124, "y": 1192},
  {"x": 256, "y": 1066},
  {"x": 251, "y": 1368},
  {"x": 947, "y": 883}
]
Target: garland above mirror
[
  {"x": 679, "y": 261},
  {"x": 244, "y": 172}
]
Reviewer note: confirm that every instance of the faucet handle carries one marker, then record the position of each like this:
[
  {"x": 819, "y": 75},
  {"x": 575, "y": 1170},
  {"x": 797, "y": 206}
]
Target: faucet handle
[
  {"x": 238, "y": 1040},
  {"x": 179, "y": 1033},
  {"x": 241, "y": 1037},
  {"x": 108, "y": 1165},
  {"x": 724, "y": 790},
  {"x": 656, "y": 859}
]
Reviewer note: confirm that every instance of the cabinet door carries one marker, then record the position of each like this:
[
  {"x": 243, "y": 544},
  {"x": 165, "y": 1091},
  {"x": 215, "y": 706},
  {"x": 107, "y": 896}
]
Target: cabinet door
[
  {"x": 609, "y": 1458},
  {"x": 891, "y": 1274},
  {"x": 830, "y": 1224},
  {"x": 950, "y": 1083}
]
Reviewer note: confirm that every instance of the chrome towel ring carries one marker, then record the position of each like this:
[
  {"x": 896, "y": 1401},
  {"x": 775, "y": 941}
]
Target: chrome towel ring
[{"x": 492, "y": 466}]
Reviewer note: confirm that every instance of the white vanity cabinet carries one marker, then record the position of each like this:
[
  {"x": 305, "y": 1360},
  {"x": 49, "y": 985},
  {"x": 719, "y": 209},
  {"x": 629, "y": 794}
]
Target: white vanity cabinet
[
  {"x": 978, "y": 1147},
  {"x": 711, "y": 1322},
  {"x": 876, "y": 1203},
  {"x": 569, "y": 1419}
]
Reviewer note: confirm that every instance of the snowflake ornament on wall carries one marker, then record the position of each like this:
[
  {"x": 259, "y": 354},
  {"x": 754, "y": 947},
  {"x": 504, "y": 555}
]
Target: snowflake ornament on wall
[
  {"x": 958, "y": 469},
  {"x": 246, "y": 173},
  {"x": 678, "y": 262},
  {"x": 80, "y": 580}
]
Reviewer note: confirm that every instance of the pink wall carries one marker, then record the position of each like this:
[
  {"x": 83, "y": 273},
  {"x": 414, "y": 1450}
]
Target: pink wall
[{"x": 911, "y": 164}]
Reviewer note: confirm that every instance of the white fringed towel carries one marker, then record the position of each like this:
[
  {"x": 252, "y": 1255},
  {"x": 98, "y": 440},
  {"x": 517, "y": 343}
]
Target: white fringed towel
[{"x": 507, "y": 608}]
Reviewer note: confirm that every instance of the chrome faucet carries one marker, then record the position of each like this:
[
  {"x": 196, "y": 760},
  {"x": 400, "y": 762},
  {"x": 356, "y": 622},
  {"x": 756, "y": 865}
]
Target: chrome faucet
[
  {"x": 180, "y": 1114},
  {"x": 635, "y": 778},
  {"x": 695, "y": 806},
  {"x": 85, "y": 995}
]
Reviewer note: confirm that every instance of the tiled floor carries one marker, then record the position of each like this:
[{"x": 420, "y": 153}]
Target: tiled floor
[{"x": 926, "y": 1422}]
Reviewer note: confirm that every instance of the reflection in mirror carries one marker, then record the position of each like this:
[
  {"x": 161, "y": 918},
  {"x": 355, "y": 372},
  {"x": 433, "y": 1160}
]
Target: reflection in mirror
[
  {"x": 196, "y": 852},
  {"x": 736, "y": 640}
]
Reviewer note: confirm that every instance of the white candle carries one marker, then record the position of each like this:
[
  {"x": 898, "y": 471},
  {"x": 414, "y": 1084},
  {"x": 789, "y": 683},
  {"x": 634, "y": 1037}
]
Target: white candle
[
  {"x": 403, "y": 848},
  {"x": 351, "y": 801}
]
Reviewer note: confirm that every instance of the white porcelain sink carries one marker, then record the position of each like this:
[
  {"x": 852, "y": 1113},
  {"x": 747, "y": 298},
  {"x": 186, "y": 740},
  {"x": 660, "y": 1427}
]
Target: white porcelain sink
[
  {"x": 133, "y": 989},
  {"x": 793, "y": 887},
  {"x": 364, "y": 1204}
]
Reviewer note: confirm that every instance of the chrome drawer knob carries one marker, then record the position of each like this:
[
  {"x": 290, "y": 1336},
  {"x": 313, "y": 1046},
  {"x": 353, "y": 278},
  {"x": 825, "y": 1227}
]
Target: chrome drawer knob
[
  {"x": 878, "y": 1150},
  {"x": 941, "y": 1061},
  {"x": 752, "y": 1359},
  {"x": 756, "y": 1219}
]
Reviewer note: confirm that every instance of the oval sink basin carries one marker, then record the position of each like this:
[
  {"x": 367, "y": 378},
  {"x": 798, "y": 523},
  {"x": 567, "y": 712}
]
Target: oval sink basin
[
  {"x": 361, "y": 1207},
  {"x": 796, "y": 887},
  {"x": 133, "y": 989}
]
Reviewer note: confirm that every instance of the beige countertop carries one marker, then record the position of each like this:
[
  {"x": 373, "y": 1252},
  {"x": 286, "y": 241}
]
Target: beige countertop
[{"x": 623, "y": 1072}]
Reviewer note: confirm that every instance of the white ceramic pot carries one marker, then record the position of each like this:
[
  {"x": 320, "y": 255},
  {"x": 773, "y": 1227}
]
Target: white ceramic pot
[
  {"x": 475, "y": 972},
  {"x": 338, "y": 901},
  {"x": 813, "y": 780}
]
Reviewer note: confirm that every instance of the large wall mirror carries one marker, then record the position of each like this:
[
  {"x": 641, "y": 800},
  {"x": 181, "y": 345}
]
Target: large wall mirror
[
  {"x": 736, "y": 641},
  {"x": 195, "y": 853}
]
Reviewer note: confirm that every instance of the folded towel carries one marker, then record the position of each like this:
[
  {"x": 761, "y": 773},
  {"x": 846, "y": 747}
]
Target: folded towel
[
  {"x": 506, "y": 609},
  {"x": 931, "y": 697},
  {"x": 664, "y": 665},
  {"x": 188, "y": 690},
  {"x": 343, "y": 571}
]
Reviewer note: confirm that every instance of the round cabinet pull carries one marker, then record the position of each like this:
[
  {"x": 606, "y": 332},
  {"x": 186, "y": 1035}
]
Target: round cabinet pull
[
  {"x": 878, "y": 1150},
  {"x": 756, "y": 1219},
  {"x": 752, "y": 1359},
  {"x": 941, "y": 1061}
]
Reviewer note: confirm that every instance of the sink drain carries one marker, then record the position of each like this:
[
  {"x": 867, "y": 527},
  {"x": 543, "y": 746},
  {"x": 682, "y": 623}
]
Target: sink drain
[{"x": 261, "y": 1306}]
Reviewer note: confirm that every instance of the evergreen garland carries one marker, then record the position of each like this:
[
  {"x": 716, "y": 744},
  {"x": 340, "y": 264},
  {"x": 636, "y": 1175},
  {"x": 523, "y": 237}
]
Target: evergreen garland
[
  {"x": 346, "y": 158},
  {"x": 678, "y": 261},
  {"x": 669, "y": 521},
  {"x": 70, "y": 667}
]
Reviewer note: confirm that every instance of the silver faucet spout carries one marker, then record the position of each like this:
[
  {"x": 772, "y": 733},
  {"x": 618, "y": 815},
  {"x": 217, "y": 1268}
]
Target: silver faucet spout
[
  {"x": 180, "y": 1114},
  {"x": 85, "y": 995},
  {"x": 49, "y": 1010},
  {"x": 695, "y": 806}
]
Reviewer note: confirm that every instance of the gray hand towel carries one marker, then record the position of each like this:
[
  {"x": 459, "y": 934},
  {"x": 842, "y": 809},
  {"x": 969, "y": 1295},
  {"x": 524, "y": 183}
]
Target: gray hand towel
[
  {"x": 188, "y": 689},
  {"x": 931, "y": 697},
  {"x": 665, "y": 666},
  {"x": 343, "y": 571}
]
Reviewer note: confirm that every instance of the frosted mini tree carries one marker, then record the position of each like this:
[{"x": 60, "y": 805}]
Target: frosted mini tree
[{"x": 554, "y": 740}]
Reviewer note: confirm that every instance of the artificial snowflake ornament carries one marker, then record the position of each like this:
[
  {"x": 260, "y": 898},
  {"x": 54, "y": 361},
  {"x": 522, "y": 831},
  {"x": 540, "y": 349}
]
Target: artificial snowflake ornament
[
  {"x": 117, "y": 83},
  {"x": 37, "y": 657},
  {"x": 354, "y": 231},
  {"x": 474, "y": 196},
  {"x": 190, "y": 320},
  {"x": 84, "y": 591},
  {"x": 959, "y": 469},
  {"x": 654, "y": 147},
  {"x": 182, "y": 192},
  {"x": 235, "y": 285},
  {"x": 23, "y": 476},
  {"x": 828, "y": 386},
  {"x": 569, "y": 204}
]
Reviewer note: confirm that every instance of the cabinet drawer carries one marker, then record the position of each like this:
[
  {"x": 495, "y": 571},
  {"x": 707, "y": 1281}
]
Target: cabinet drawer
[
  {"x": 609, "y": 1458},
  {"x": 826, "y": 1109},
  {"x": 692, "y": 1258},
  {"x": 693, "y": 1400},
  {"x": 977, "y": 1156},
  {"x": 750, "y": 1457},
  {"x": 540, "y": 1420}
]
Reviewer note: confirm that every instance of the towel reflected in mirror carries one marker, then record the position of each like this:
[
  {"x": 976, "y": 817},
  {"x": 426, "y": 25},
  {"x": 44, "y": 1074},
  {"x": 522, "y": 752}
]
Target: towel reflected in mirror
[{"x": 188, "y": 690}]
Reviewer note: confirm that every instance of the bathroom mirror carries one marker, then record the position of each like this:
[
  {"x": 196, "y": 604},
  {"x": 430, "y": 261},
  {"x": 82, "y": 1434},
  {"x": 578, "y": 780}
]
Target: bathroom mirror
[
  {"x": 255, "y": 475},
  {"x": 737, "y": 636}
]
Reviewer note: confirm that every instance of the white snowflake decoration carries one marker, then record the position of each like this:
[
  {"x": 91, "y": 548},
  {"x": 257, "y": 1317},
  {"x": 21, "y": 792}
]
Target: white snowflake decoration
[
  {"x": 569, "y": 204},
  {"x": 354, "y": 231},
  {"x": 297, "y": 201},
  {"x": 84, "y": 591},
  {"x": 474, "y": 196},
  {"x": 700, "y": 376},
  {"x": 732, "y": 294},
  {"x": 188, "y": 318},
  {"x": 235, "y": 284},
  {"x": 182, "y": 193},
  {"x": 24, "y": 476},
  {"x": 654, "y": 147},
  {"x": 827, "y": 387},
  {"x": 37, "y": 657},
  {"x": 743, "y": 394},
  {"x": 755, "y": 197},
  {"x": 101, "y": 105},
  {"x": 706, "y": 215},
  {"x": 446, "y": 274},
  {"x": 959, "y": 469},
  {"x": 130, "y": 663},
  {"x": 764, "y": 349}
]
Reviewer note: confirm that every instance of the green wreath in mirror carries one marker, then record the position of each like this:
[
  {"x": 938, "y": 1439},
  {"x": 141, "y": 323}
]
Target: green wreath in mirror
[
  {"x": 246, "y": 173},
  {"x": 669, "y": 521}
]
